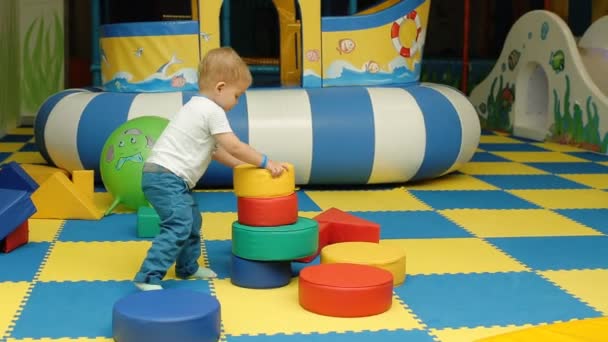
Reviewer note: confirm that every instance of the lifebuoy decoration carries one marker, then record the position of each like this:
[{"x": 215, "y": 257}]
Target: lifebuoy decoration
[{"x": 406, "y": 51}]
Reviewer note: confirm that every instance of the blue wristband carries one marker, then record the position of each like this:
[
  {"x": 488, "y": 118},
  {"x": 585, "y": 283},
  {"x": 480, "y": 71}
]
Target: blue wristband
[{"x": 264, "y": 161}]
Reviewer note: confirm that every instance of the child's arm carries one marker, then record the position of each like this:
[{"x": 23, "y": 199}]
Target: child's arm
[
  {"x": 241, "y": 151},
  {"x": 225, "y": 158}
]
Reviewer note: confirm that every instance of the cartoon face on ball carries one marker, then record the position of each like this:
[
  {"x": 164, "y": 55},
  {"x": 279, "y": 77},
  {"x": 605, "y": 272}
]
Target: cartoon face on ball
[{"x": 128, "y": 148}]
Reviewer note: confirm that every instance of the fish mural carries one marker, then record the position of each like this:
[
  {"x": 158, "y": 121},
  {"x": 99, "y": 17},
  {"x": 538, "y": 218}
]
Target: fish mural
[{"x": 557, "y": 61}]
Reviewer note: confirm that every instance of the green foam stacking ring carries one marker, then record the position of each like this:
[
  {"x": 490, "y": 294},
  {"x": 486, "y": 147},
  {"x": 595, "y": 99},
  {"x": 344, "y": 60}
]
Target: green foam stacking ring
[{"x": 278, "y": 243}]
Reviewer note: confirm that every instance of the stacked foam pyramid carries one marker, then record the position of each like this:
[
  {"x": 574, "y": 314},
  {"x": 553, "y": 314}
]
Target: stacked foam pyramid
[{"x": 268, "y": 234}]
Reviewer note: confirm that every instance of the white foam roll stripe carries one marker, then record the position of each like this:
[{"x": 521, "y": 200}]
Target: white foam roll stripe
[
  {"x": 399, "y": 133},
  {"x": 277, "y": 118},
  {"x": 61, "y": 130},
  {"x": 158, "y": 104}
]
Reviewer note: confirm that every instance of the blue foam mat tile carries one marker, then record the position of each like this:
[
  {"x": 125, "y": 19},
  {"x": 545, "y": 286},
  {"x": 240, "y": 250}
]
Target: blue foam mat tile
[
  {"x": 487, "y": 157},
  {"x": 508, "y": 147},
  {"x": 591, "y": 156},
  {"x": 472, "y": 199},
  {"x": 305, "y": 203},
  {"x": 413, "y": 225},
  {"x": 365, "y": 336},
  {"x": 22, "y": 263},
  {"x": 593, "y": 218},
  {"x": 485, "y": 131},
  {"x": 219, "y": 253},
  {"x": 557, "y": 253},
  {"x": 89, "y": 313},
  {"x": 221, "y": 201},
  {"x": 115, "y": 227},
  {"x": 512, "y": 182},
  {"x": 4, "y": 155},
  {"x": 198, "y": 285},
  {"x": 571, "y": 167},
  {"x": 15, "y": 138},
  {"x": 29, "y": 147},
  {"x": 487, "y": 299}
]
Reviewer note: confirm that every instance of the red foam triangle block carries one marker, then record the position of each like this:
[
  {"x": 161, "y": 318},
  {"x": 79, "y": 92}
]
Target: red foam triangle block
[
  {"x": 346, "y": 227},
  {"x": 16, "y": 238}
]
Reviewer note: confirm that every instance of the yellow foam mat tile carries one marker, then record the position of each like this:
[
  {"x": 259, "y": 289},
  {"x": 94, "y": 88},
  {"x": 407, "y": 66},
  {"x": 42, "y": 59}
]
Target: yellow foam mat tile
[
  {"x": 79, "y": 339},
  {"x": 11, "y": 295},
  {"x": 451, "y": 182},
  {"x": 43, "y": 230},
  {"x": 465, "y": 255},
  {"x": 21, "y": 131},
  {"x": 26, "y": 158},
  {"x": 97, "y": 261},
  {"x": 598, "y": 181},
  {"x": 565, "y": 199},
  {"x": 584, "y": 330},
  {"x": 539, "y": 157},
  {"x": 472, "y": 334},
  {"x": 11, "y": 147},
  {"x": 103, "y": 200},
  {"x": 587, "y": 285},
  {"x": 254, "y": 312},
  {"x": 218, "y": 226},
  {"x": 516, "y": 223},
  {"x": 309, "y": 214},
  {"x": 603, "y": 163},
  {"x": 558, "y": 147},
  {"x": 498, "y": 139},
  {"x": 367, "y": 200},
  {"x": 499, "y": 168}
]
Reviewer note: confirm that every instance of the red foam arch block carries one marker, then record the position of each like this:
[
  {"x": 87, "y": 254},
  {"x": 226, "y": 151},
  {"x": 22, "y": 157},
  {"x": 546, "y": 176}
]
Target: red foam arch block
[
  {"x": 349, "y": 228},
  {"x": 267, "y": 212},
  {"x": 345, "y": 290}
]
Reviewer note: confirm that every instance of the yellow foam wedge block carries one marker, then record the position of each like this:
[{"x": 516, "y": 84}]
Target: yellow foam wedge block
[
  {"x": 386, "y": 257},
  {"x": 40, "y": 173},
  {"x": 585, "y": 330},
  {"x": 58, "y": 198},
  {"x": 84, "y": 182},
  {"x": 252, "y": 181}
]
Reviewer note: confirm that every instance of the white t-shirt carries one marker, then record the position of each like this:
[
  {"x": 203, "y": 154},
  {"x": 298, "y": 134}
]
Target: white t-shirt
[{"x": 186, "y": 146}]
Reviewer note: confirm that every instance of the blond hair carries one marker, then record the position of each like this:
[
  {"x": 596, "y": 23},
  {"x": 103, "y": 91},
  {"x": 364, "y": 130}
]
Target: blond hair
[{"x": 222, "y": 65}]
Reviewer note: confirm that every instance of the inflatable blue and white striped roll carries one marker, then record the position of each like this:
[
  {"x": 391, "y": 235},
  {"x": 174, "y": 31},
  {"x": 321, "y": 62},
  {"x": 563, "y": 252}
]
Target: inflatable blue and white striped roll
[{"x": 341, "y": 135}]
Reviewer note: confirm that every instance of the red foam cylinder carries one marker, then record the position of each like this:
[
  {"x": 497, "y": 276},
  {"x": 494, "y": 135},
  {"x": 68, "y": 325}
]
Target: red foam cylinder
[
  {"x": 267, "y": 212},
  {"x": 345, "y": 290}
]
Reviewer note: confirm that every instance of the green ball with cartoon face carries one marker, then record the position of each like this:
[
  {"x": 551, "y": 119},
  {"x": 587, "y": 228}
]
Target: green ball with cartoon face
[{"x": 123, "y": 156}]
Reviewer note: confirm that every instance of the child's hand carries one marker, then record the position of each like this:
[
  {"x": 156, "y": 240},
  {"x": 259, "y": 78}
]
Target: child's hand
[{"x": 276, "y": 168}]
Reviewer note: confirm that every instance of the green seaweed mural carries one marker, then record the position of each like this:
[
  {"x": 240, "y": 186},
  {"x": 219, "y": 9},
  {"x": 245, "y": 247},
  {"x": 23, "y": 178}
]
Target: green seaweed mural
[
  {"x": 498, "y": 107},
  {"x": 43, "y": 61},
  {"x": 9, "y": 64},
  {"x": 568, "y": 127}
]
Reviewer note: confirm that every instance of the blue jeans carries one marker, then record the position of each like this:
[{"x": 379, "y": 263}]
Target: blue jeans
[{"x": 179, "y": 239}]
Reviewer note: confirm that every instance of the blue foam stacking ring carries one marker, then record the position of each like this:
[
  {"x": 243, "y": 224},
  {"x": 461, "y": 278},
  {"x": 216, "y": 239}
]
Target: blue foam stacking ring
[
  {"x": 167, "y": 315},
  {"x": 259, "y": 274}
]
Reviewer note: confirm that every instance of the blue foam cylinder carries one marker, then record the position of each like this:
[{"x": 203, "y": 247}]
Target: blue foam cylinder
[
  {"x": 259, "y": 274},
  {"x": 167, "y": 315}
]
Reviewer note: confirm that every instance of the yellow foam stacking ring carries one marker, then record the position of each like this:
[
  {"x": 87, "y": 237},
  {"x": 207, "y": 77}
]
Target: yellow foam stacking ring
[
  {"x": 252, "y": 181},
  {"x": 382, "y": 256}
]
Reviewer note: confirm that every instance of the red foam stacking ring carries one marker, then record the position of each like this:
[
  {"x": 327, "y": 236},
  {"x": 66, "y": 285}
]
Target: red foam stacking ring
[
  {"x": 345, "y": 290},
  {"x": 269, "y": 211}
]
